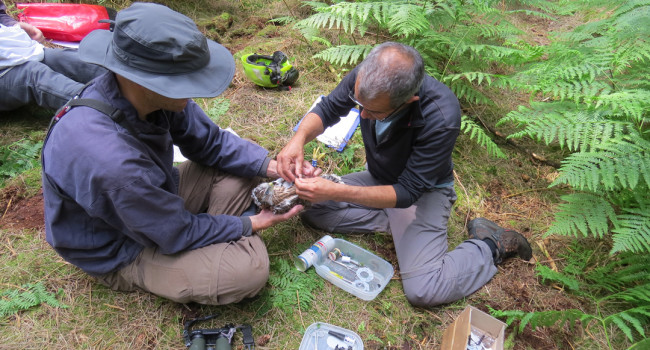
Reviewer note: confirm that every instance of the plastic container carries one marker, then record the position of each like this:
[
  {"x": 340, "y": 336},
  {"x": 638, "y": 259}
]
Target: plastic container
[
  {"x": 356, "y": 270},
  {"x": 319, "y": 336}
]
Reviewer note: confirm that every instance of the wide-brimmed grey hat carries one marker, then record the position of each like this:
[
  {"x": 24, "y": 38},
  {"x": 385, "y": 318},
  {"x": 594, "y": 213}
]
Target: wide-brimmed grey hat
[{"x": 161, "y": 50}]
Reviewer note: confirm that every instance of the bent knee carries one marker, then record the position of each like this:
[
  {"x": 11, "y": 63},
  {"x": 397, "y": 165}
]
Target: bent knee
[
  {"x": 426, "y": 294},
  {"x": 250, "y": 279},
  {"x": 244, "y": 270}
]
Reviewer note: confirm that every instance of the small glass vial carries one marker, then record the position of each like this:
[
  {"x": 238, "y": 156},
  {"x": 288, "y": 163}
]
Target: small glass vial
[{"x": 315, "y": 252}]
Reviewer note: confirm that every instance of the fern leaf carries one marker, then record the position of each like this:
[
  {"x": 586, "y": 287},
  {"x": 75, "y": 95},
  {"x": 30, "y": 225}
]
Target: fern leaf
[
  {"x": 407, "y": 20},
  {"x": 344, "y": 54},
  {"x": 477, "y": 77},
  {"x": 633, "y": 234},
  {"x": 477, "y": 134},
  {"x": 553, "y": 318},
  {"x": 628, "y": 320},
  {"x": 616, "y": 164},
  {"x": 533, "y": 13},
  {"x": 634, "y": 104},
  {"x": 290, "y": 287},
  {"x": 30, "y": 295},
  {"x": 643, "y": 344},
  {"x": 549, "y": 275},
  {"x": 584, "y": 214}
]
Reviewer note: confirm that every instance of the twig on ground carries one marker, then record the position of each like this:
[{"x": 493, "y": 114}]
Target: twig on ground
[
  {"x": 114, "y": 307},
  {"x": 11, "y": 250},
  {"x": 300, "y": 311},
  {"x": 526, "y": 191},
  {"x": 512, "y": 214},
  {"x": 7, "y": 209},
  {"x": 542, "y": 246},
  {"x": 285, "y": 252},
  {"x": 433, "y": 315}
]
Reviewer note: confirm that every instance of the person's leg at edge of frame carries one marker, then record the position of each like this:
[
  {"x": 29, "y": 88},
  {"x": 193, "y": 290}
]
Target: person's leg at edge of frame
[
  {"x": 67, "y": 62},
  {"x": 431, "y": 275},
  {"x": 35, "y": 83}
]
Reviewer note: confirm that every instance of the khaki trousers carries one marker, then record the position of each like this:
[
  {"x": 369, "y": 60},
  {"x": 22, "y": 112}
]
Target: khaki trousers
[{"x": 216, "y": 274}]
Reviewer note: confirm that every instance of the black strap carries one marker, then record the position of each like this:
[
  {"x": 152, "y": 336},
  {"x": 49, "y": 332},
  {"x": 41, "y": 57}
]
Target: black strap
[
  {"x": 247, "y": 336},
  {"x": 114, "y": 113}
]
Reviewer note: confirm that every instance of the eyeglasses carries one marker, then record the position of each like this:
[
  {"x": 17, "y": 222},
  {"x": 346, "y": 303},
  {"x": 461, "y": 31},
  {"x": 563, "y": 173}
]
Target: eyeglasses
[{"x": 374, "y": 113}]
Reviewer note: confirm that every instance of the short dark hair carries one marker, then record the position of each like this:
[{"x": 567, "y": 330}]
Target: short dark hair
[{"x": 400, "y": 79}]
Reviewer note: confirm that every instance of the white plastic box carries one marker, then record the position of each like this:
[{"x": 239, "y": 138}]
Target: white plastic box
[
  {"x": 365, "y": 280},
  {"x": 317, "y": 336}
]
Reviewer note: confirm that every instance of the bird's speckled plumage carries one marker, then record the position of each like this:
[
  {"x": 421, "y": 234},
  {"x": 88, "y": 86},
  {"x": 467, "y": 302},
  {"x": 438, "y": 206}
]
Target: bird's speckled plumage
[{"x": 280, "y": 196}]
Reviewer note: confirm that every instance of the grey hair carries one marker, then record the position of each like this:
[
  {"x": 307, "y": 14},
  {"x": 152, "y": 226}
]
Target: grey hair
[{"x": 399, "y": 75}]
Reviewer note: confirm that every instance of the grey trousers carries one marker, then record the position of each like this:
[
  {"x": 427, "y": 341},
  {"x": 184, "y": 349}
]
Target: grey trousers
[
  {"x": 430, "y": 274},
  {"x": 216, "y": 274},
  {"x": 49, "y": 83}
]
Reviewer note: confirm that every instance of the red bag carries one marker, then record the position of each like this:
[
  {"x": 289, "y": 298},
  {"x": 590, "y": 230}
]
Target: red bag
[{"x": 65, "y": 22}]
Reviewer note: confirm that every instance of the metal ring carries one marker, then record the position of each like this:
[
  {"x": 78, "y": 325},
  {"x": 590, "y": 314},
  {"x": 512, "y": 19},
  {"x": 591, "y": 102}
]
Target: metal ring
[
  {"x": 361, "y": 285},
  {"x": 368, "y": 274}
]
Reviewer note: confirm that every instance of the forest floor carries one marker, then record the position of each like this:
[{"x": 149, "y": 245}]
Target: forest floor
[{"x": 512, "y": 192}]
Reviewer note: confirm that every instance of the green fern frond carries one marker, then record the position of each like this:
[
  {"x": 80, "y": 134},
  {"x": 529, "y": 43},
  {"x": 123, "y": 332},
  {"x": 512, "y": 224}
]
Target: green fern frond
[
  {"x": 495, "y": 53},
  {"x": 643, "y": 344},
  {"x": 639, "y": 295},
  {"x": 634, "y": 104},
  {"x": 635, "y": 318},
  {"x": 292, "y": 288},
  {"x": 633, "y": 233},
  {"x": 543, "y": 318},
  {"x": 314, "y": 4},
  {"x": 533, "y": 13},
  {"x": 498, "y": 30},
  {"x": 583, "y": 214},
  {"x": 578, "y": 129},
  {"x": 477, "y": 77},
  {"x": 468, "y": 92},
  {"x": 549, "y": 275},
  {"x": 603, "y": 169},
  {"x": 630, "y": 6},
  {"x": 630, "y": 53},
  {"x": 578, "y": 91},
  {"x": 407, "y": 20},
  {"x": 29, "y": 295},
  {"x": 284, "y": 20},
  {"x": 617, "y": 163},
  {"x": 477, "y": 134},
  {"x": 344, "y": 54}
]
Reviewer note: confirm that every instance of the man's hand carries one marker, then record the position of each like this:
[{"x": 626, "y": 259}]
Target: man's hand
[
  {"x": 32, "y": 31},
  {"x": 291, "y": 161},
  {"x": 266, "y": 218},
  {"x": 316, "y": 189}
]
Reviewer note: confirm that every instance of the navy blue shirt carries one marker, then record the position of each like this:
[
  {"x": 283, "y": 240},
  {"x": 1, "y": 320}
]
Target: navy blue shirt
[
  {"x": 109, "y": 194},
  {"x": 414, "y": 154}
]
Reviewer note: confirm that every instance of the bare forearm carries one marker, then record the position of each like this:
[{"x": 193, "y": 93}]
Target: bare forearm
[
  {"x": 370, "y": 196},
  {"x": 310, "y": 127}
]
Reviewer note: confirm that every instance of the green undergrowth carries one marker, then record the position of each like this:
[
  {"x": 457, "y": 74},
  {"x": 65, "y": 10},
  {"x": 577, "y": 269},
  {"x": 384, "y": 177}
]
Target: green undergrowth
[{"x": 493, "y": 179}]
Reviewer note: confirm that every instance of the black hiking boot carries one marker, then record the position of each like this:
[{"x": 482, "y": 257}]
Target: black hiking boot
[{"x": 508, "y": 242}]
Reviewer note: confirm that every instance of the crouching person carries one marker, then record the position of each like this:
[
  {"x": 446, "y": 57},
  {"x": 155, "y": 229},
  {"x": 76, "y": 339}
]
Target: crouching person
[{"x": 115, "y": 205}]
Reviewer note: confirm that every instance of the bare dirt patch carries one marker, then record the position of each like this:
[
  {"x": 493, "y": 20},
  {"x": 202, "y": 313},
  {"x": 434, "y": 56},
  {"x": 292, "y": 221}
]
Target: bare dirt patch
[{"x": 21, "y": 212}]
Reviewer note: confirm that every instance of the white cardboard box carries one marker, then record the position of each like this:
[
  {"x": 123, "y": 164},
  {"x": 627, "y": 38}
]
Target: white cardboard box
[{"x": 456, "y": 336}]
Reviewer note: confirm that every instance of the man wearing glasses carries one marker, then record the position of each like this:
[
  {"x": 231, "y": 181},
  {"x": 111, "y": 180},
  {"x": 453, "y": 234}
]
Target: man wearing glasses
[{"x": 410, "y": 122}]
